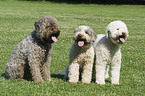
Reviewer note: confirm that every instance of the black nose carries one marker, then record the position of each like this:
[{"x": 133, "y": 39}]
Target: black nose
[
  {"x": 124, "y": 33},
  {"x": 79, "y": 35}
]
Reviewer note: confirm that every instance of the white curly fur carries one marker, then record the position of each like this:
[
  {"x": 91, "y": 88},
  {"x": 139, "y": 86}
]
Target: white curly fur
[{"x": 107, "y": 51}]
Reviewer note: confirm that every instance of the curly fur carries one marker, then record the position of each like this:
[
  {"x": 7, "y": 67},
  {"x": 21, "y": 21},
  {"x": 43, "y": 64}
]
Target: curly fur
[
  {"x": 31, "y": 59},
  {"x": 81, "y": 57},
  {"x": 107, "y": 51}
]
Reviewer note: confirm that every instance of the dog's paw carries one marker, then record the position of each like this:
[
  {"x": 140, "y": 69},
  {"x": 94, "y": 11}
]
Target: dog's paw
[
  {"x": 73, "y": 81},
  {"x": 38, "y": 80},
  {"x": 117, "y": 83},
  {"x": 106, "y": 76},
  {"x": 100, "y": 82},
  {"x": 86, "y": 82},
  {"x": 48, "y": 79},
  {"x": 114, "y": 81}
]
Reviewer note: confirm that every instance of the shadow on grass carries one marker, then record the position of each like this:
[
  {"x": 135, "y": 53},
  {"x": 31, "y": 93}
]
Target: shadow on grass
[
  {"x": 3, "y": 75},
  {"x": 104, "y": 2},
  {"x": 57, "y": 76},
  {"x": 62, "y": 77},
  {"x": 108, "y": 81}
]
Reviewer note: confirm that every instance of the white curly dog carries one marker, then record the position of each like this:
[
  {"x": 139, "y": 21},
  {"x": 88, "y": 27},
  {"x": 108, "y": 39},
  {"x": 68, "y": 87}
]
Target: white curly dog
[
  {"x": 81, "y": 56},
  {"x": 108, "y": 52}
]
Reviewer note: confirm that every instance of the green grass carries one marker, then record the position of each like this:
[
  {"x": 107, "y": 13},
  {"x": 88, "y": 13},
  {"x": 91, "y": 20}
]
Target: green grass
[{"x": 17, "y": 21}]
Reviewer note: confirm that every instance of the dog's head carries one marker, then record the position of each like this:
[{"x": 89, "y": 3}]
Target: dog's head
[
  {"x": 84, "y": 35},
  {"x": 47, "y": 29},
  {"x": 117, "y": 32}
]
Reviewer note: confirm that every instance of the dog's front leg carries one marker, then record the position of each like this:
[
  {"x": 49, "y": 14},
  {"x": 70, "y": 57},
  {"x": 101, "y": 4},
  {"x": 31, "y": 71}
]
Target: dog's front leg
[
  {"x": 87, "y": 71},
  {"x": 34, "y": 63},
  {"x": 115, "y": 73},
  {"x": 115, "y": 68},
  {"x": 46, "y": 69},
  {"x": 73, "y": 72},
  {"x": 100, "y": 72}
]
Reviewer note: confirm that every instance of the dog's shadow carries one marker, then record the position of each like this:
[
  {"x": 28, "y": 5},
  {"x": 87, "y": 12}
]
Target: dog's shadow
[
  {"x": 3, "y": 75},
  {"x": 52, "y": 75},
  {"x": 64, "y": 79},
  {"x": 57, "y": 76}
]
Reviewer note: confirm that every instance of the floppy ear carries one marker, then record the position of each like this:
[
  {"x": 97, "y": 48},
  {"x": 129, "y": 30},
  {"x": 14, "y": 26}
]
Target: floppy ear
[
  {"x": 107, "y": 31},
  {"x": 37, "y": 26},
  {"x": 74, "y": 35},
  {"x": 94, "y": 36},
  {"x": 107, "y": 35}
]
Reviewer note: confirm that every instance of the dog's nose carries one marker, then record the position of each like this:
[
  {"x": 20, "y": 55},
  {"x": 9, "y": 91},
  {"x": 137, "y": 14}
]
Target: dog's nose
[
  {"x": 56, "y": 31},
  {"x": 124, "y": 33},
  {"x": 79, "y": 35}
]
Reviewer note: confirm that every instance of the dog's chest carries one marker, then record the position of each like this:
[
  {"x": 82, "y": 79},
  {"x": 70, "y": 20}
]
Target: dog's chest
[
  {"x": 84, "y": 55},
  {"x": 42, "y": 52}
]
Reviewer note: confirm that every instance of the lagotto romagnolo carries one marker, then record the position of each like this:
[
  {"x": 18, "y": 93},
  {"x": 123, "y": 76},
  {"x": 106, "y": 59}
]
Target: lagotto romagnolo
[
  {"x": 31, "y": 59},
  {"x": 81, "y": 55},
  {"x": 108, "y": 54}
]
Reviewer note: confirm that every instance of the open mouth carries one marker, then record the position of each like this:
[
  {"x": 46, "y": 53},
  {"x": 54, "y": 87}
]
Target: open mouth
[
  {"x": 54, "y": 36},
  {"x": 81, "y": 42},
  {"x": 121, "y": 38},
  {"x": 54, "y": 39}
]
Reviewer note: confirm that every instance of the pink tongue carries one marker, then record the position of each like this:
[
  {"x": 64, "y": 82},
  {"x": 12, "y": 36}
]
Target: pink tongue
[
  {"x": 122, "y": 40},
  {"x": 81, "y": 43},
  {"x": 54, "y": 38}
]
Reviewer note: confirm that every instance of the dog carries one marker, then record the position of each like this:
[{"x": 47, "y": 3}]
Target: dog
[
  {"x": 107, "y": 51},
  {"x": 31, "y": 59},
  {"x": 81, "y": 55}
]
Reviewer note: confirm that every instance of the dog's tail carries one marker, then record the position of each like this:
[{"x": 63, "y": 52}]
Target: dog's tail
[
  {"x": 63, "y": 74},
  {"x": 60, "y": 73}
]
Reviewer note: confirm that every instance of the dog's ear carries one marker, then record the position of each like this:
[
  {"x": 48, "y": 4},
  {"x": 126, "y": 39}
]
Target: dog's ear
[
  {"x": 94, "y": 36},
  {"x": 37, "y": 26},
  {"x": 107, "y": 33},
  {"x": 74, "y": 35}
]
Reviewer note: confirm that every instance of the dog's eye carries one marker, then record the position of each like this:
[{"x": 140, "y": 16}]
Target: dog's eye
[
  {"x": 86, "y": 32},
  {"x": 117, "y": 29}
]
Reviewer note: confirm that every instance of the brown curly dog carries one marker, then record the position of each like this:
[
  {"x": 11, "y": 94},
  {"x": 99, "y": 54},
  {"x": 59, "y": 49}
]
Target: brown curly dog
[{"x": 31, "y": 59}]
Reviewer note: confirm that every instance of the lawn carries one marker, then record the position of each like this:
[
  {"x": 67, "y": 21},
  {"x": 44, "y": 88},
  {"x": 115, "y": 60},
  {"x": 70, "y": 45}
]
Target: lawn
[{"x": 17, "y": 21}]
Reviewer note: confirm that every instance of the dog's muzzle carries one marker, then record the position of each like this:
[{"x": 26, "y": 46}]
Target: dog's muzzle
[
  {"x": 55, "y": 35},
  {"x": 121, "y": 38},
  {"x": 81, "y": 41}
]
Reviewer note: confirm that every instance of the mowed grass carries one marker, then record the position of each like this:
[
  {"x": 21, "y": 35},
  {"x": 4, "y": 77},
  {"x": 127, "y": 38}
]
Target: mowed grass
[{"x": 17, "y": 21}]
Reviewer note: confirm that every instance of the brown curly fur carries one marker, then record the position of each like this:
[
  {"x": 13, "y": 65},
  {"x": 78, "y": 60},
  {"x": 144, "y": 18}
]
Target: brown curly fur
[{"x": 31, "y": 59}]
